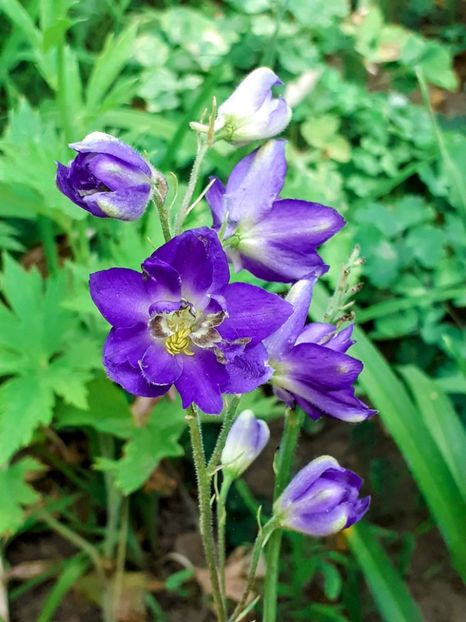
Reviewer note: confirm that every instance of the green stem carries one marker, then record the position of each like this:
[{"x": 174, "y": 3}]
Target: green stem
[
  {"x": 114, "y": 499},
  {"x": 202, "y": 148},
  {"x": 120, "y": 558},
  {"x": 293, "y": 422},
  {"x": 266, "y": 532},
  {"x": 163, "y": 216},
  {"x": 205, "y": 510},
  {"x": 228, "y": 419},
  {"x": 77, "y": 540},
  {"x": 221, "y": 524},
  {"x": 48, "y": 243}
]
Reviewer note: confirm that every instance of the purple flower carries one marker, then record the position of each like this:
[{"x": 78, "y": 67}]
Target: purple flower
[
  {"x": 107, "y": 178},
  {"x": 251, "y": 112},
  {"x": 321, "y": 499},
  {"x": 245, "y": 441},
  {"x": 311, "y": 368},
  {"x": 275, "y": 239},
  {"x": 180, "y": 322}
]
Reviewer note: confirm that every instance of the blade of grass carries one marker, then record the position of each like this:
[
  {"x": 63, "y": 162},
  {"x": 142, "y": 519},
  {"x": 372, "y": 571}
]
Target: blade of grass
[
  {"x": 406, "y": 425},
  {"x": 72, "y": 570},
  {"x": 441, "y": 420},
  {"x": 390, "y": 593}
]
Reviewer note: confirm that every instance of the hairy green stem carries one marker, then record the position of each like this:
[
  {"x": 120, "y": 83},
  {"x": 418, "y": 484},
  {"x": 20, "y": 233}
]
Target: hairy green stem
[
  {"x": 114, "y": 498},
  {"x": 202, "y": 148},
  {"x": 120, "y": 558},
  {"x": 163, "y": 216},
  {"x": 221, "y": 524},
  {"x": 228, "y": 419},
  {"x": 262, "y": 537},
  {"x": 293, "y": 422},
  {"x": 205, "y": 510}
]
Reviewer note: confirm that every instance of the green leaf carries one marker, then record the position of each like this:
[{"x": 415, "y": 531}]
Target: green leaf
[
  {"x": 147, "y": 446},
  {"x": 15, "y": 493},
  {"x": 441, "y": 419},
  {"x": 107, "y": 411},
  {"x": 72, "y": 570},
  {"x": 25, "y": 403},
  {"x": 319, "y": 13},
  {"x": 116, "y": 54},
  {"x": 390, "y": 593}
]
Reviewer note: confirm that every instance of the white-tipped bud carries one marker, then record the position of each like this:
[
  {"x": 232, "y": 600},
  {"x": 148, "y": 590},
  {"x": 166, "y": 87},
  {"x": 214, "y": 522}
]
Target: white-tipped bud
[{"x": 245, "y": 441}]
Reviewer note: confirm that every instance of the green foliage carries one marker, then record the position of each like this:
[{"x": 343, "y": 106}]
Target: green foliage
[
  {"x": 147, "y": 445},
  {"x": 16, "y": 493},
  {"x": 44, "y": 351}
]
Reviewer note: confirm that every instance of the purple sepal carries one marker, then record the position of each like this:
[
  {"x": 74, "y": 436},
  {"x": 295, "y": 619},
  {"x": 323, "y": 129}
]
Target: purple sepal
[
  {"x": 311, "y": 369},
  {"x": 180, "y": 322},
  {"x": 322, "y": 499},
  {"x": 275, "y": 239}
]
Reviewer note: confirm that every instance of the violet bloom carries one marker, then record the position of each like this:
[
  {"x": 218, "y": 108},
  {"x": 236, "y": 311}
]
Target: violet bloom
[
  {"x": 180, "y": 322},
  {"x": 245, "y": 441},
  {"x": 251, "y": 112},
  {"x": 107, "y": 178},
  {"x": 275, "y": 239},
  {"x": 321, "y": 499},
  {"x": 311, "y": 368}
]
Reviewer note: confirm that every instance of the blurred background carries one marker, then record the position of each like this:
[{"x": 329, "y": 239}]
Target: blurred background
[{"x": 92, "y": 483}]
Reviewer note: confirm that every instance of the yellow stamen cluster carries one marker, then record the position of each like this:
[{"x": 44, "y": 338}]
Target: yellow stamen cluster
[{"x": 181, "y": 324}]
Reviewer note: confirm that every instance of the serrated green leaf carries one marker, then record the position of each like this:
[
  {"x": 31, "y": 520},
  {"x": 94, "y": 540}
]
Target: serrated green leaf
[
  {"x": 25, "y": 403},
  {"x": 148, "y": 445},
  {"x": 15, "y": 493},
  {"x": 107, "y": 411}
]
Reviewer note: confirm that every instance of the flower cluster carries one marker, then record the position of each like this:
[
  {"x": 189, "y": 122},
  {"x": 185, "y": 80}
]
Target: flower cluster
[{"x": 179, "y": 321}]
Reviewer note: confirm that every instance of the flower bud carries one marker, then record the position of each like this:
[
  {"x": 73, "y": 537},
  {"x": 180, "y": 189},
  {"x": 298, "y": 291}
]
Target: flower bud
[
  {"x": 107, "y": 178},
  {"x": 251, "y": 112},
  {"x": 245, "y": 441},
  {"x": 321, "y": 499}
]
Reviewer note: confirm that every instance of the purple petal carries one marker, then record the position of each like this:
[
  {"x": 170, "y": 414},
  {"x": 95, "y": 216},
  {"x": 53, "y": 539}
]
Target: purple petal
[
  {"x": 125, "y": 204},
  {"x": 116, "y": 173},
  {"x": 63, "y": 181},
  {"x": 358, "y": 510},
  {"x": 299, "y": 296},
  {"x": 253, "y": 313},
  {"x": 200, "y": 380},
  {"x": 214, "y": 198},
  {"x": 217, "y": 257},
  {"x": 327, "y": 335},
  {"x": 302, "y": 481},
  {"x": 123, "y": 296},
  {"x": 248, "y": 370},
  {"x": 342, "y": 404},
  {"x": 320, "y": 367},
  {"x": 132, "y": 380},
  {"x": 304, "y": 224},
  {"x": 166, "y": 277},
  {"x": 320, "y": 524},
  {"x": 276, "y": 264},
  {"x": 99, "y": 142},
  {"x": 247, "y": 438},
  {"x": 127, "y": 345},
  {"x": 255, "y": 182},
  {"x": 159, "y": 367}
]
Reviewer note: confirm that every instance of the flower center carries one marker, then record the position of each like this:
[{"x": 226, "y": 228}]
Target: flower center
[{"x": 181, "y": 330}]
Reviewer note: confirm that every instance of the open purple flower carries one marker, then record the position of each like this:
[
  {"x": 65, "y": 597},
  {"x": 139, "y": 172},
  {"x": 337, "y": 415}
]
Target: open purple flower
[
  {"x": 245, "y": 441},
  {"x": 180, "y": 322},
  {"x": 311, "y": 368},
  {"x": 274, "y": 238},
  {"x": 321, "y": 499},
  {"x": 107, "y": 178}
]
